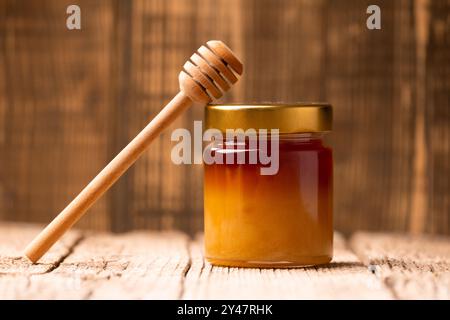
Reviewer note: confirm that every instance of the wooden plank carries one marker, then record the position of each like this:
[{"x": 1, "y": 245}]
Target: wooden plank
[
  {"x": 371, "y": 87},
  {"x": 3, "y": 106},
  {"x": 119, "y": 195},
  {"x": 41, "y": 286},
  {"x": 284, "y": 50},
  {"x": 14, "y": 237},
  {"x": 438, "y": 118},
  {"x": 158, "y": 50},
  {"x": 56, "y": 86},
  {"x": 346, "y": 277},
  {"x": 419, "y": 195},
  {"x": 136, "y": 265},
  {"x": 414, "y": 267}
]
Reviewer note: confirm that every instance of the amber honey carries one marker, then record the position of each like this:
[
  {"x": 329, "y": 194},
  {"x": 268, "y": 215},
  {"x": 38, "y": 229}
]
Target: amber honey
[{"x": 280, "y": 220}]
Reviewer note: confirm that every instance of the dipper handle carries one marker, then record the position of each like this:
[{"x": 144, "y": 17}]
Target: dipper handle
[
  {"x": 197, "y": 84},
  {"x": 106, "y": 178}
]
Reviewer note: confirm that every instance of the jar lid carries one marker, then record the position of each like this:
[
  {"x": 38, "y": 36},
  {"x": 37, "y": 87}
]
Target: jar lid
[{"x": 288, "y": 118}]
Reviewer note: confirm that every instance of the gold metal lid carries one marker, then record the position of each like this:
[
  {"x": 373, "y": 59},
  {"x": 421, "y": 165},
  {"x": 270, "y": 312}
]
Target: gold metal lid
[{"x": 288, "y": 118}]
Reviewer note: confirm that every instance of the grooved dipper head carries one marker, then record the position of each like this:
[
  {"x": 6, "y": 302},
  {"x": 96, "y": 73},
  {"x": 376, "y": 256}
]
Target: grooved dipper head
[{"x": 210, "y": 72}]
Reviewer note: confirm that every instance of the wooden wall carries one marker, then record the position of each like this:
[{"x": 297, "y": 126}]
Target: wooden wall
[{"x": 70, "y": 100}]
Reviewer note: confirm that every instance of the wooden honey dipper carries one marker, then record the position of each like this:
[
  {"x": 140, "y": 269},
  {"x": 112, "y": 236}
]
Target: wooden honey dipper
[{"x": 206, "y": 76}]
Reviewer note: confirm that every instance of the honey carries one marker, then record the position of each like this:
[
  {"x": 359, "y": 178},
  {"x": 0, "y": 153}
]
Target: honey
[{"x": 279, "y": 220}]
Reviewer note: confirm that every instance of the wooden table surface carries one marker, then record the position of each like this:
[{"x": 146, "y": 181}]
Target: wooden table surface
[{"x": 170, "y": 265}]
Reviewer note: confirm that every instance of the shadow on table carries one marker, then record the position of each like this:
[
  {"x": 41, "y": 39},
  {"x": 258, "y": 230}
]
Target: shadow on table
[{"x": 337, "y": 265}]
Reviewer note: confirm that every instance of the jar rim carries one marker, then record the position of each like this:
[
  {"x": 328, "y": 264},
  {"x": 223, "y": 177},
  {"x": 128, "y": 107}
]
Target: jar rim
[{"x": 301, "y": 117}]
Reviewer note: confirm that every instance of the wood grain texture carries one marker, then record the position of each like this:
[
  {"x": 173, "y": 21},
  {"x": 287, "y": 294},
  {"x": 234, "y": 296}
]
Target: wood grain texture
[
  {"x": 414, "y": 267},
  {"x": 13, "y": 239},
  {"x": 437, "y": 115},
  {"x": 170, "y": 265},
  {"x": 345, "y": 278},
  {"x": 69, "y": 100},
  {"x": 55, "y": 107},
  {"x": 371, "y": 85},
  {"x": 138, "y": 265}
]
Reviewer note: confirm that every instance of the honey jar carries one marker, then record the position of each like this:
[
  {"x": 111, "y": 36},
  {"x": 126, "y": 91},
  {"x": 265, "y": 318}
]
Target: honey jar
[{"x": 280, "y": 219}]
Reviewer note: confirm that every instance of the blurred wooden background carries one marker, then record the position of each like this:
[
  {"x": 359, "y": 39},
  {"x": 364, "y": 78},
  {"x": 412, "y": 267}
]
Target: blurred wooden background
[{"x": 70, "y": 100}]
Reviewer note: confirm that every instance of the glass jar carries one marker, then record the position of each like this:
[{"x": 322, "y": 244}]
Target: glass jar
[{"x": 275, "y": 220}]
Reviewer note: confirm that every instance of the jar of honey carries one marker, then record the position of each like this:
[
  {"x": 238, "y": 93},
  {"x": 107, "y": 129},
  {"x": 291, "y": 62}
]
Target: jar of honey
[{"x": 280, "y": 219}]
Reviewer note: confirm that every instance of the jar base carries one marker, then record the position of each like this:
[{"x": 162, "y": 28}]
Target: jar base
[{"x": 304, "y": 262}]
